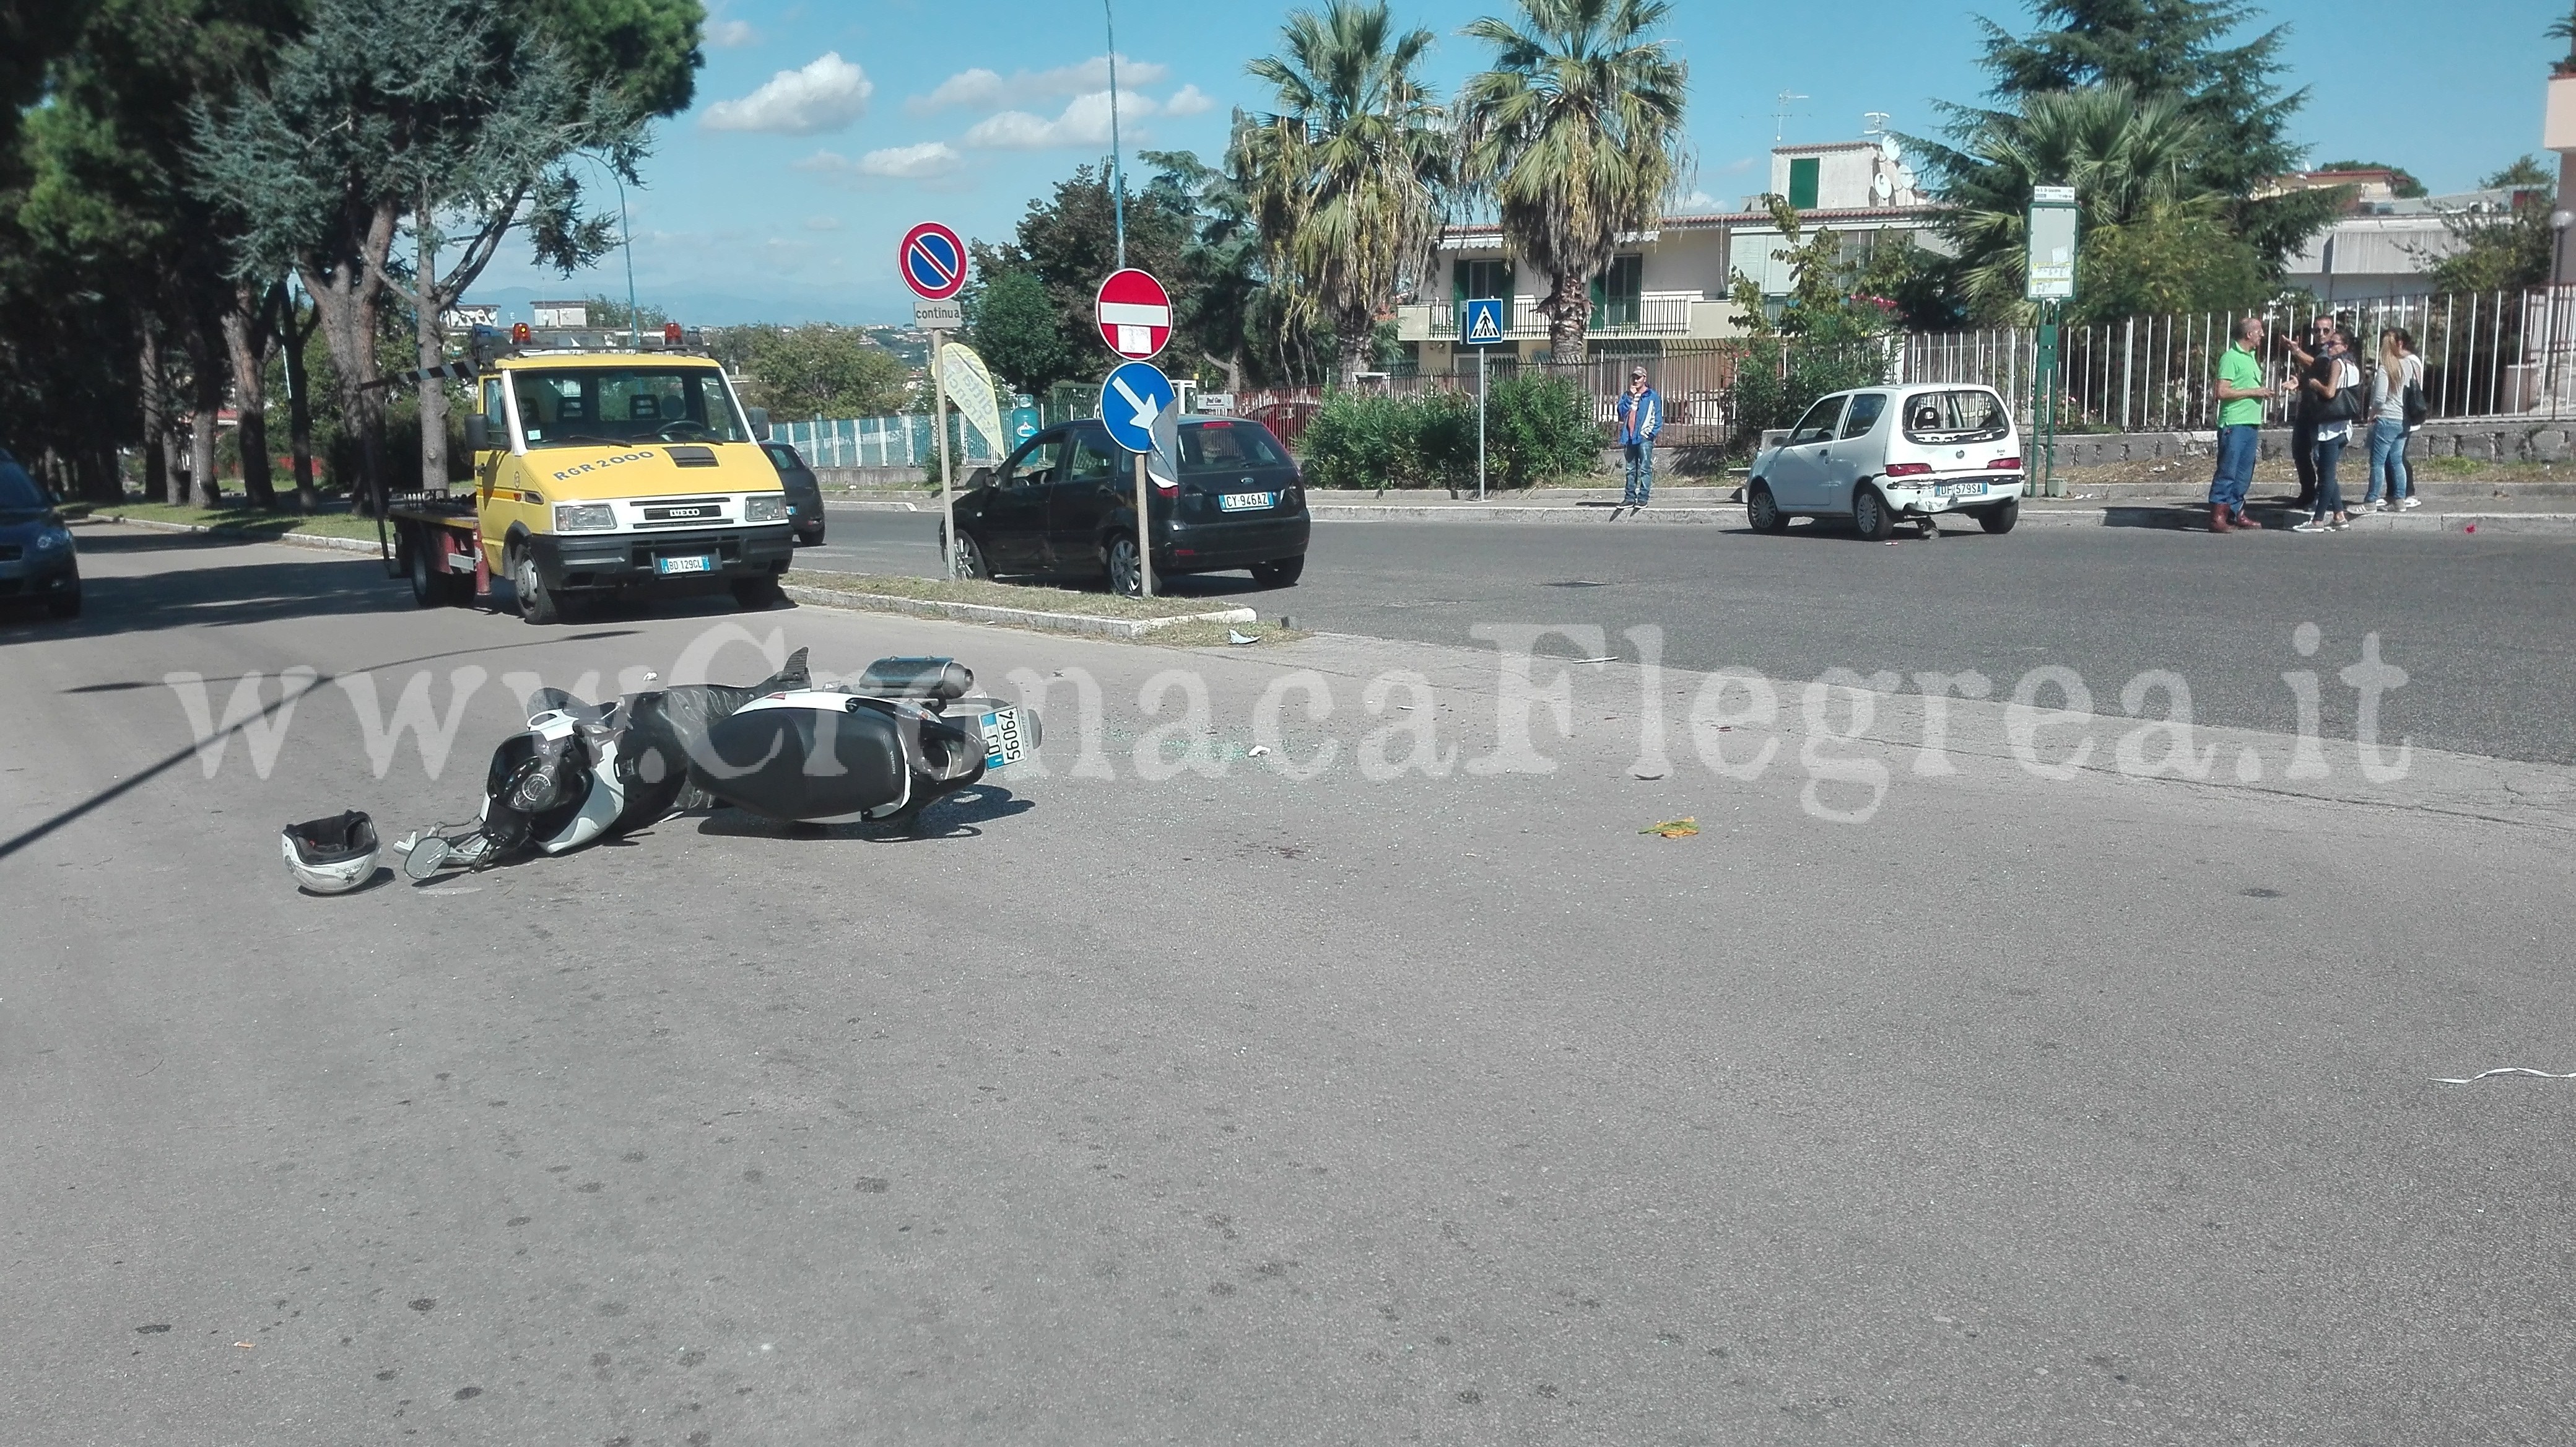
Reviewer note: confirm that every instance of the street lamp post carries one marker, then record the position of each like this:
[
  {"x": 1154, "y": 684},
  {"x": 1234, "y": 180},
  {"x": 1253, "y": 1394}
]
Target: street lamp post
[{"x": 1117, "y": 163}]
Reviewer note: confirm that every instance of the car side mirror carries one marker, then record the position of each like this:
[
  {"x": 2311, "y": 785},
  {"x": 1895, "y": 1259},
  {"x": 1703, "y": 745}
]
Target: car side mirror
[
  {"x": 980, "y": 477},
  {"x": 758, "y": 417},
  {"x": 478, "y": 432}
]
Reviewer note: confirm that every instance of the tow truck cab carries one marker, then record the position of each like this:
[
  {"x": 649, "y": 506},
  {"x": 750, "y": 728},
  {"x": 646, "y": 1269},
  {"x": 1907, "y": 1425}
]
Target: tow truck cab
[{"x": 601, "y": 471}]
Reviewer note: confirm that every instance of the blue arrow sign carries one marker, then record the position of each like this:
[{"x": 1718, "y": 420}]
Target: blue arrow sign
[
  {"x": 1481, "y": 323},
  {"x": 1132, "y": 401}
]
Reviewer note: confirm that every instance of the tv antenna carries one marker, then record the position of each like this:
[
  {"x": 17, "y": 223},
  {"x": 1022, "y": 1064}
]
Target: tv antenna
[{"x": 1780, "y": 117}]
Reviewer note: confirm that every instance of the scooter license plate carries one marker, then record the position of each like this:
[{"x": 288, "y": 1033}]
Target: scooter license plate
[
  {"x": 1005, "y": 742},
  {"x": 692, "y": 563}
]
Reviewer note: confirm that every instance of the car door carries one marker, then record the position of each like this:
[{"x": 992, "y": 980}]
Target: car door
[
  {"x": 1797, "y": 471},
  {"x": 1012, "y": 525},
  {"x": 1095, "y": 481},
  {"x": 1857, "y": 449}
]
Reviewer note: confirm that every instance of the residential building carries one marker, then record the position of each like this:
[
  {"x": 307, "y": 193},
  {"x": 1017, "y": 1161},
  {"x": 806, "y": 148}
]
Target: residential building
[{"x": 1671, "y": 286}]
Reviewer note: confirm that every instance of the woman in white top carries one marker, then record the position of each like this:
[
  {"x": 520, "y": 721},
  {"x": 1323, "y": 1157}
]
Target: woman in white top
[
  {"x": 2398, "y": 368},
  {"x": 2334, "y": 387}
]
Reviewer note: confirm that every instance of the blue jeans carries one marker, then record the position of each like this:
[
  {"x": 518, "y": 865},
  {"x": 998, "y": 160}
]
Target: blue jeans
[
  {"x": 2329, "y": 491},
  {"x": 1640, "y": 477},
  {"x": 2236, "y": 446},
  {"x": 2388, "y": 461}
]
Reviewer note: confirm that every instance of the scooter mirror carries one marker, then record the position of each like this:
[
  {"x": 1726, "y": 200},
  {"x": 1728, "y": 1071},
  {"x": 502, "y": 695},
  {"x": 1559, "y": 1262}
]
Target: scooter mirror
[{"x": 425, "y": 857}]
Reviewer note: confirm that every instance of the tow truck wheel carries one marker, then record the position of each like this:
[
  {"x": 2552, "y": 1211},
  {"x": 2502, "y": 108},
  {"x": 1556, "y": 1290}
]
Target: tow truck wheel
[
  {"x": 428, "y": 589},
  {"x": 535, "y": 604}
]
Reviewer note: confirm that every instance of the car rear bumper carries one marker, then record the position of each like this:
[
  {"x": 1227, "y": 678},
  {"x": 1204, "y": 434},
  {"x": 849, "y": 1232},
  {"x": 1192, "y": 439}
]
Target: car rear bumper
[
  {"x": 609, "y": 560},
  {"x": 1925, "y": 500},
  {"x": 1200, "y": 547}
]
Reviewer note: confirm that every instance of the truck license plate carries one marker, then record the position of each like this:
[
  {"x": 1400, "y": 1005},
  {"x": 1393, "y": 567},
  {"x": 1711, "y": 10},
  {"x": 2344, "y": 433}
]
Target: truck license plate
[
  {"x": 692, "y": 563},
  {"x": 1004, "y": 743},
  {"x": 1243, "y": 501}
]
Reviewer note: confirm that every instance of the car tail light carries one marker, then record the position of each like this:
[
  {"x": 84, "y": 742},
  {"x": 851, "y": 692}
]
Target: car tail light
[
  {"x": 1908, "y": 469},
  {"x": 1166, "y": 488},
  {"x": 2006, "y": 464}
]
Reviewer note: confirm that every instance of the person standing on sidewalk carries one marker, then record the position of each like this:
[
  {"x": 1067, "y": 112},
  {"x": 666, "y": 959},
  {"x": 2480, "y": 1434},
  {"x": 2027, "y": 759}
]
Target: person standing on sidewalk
[
  {"x": 1641, "y": 418},
  {"x": 2388, "y": 386},
  {"x": 2240, "y": 424},
  {"x": 2335, "y": 390},
  {"x": 2304, "y": 360}
]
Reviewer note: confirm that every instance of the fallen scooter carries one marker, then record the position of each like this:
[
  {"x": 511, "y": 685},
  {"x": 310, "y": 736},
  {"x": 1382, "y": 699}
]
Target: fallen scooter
[{"x": 879, "y": 749}]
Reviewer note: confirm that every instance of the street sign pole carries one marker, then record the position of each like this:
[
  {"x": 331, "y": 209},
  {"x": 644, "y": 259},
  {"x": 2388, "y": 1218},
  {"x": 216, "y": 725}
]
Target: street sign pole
[
  {"x": 947, "y": 475},
  {"x": 1144, "y": 532},
  {"x": 2050, "y": 281},
  {"x": 1482, "y": 358}
]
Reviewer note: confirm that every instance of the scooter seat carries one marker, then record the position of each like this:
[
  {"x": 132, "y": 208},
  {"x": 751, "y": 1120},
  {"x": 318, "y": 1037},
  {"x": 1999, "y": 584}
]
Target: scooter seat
[{"x": 938, "y": 678}]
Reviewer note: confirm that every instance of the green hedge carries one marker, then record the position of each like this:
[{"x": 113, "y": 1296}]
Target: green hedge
[{"x": 1536, "y": 428}]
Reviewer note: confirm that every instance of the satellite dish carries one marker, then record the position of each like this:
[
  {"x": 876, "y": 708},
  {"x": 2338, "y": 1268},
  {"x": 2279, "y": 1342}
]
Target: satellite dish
[
  {"x": 1905, "y": 177},
  {"x": 1887, "y": 147},
  {"x": 1881, "y": 187}
]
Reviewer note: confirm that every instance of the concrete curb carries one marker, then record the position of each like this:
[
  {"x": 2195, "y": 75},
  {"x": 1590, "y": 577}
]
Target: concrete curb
[
  {"x": 301, "y": 540},
  {"x": 2176, "y": 517},
  {"x": 1009, "y": 617},
  {"x": 2185, "y": 518},
  {"x": 1348, "y": 512},
  {"x": 865, "y": 504}
]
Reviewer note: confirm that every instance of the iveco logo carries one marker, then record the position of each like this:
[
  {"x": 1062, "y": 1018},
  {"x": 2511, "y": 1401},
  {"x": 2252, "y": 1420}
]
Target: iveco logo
[{"x": 688, "y": 512}]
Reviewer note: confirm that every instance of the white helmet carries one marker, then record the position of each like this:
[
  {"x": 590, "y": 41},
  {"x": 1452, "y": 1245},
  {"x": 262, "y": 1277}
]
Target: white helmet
[{"x": 330, "y": 856}]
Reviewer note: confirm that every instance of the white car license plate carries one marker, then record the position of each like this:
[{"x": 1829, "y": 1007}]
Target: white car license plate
[
  {"x": 1960, "y": 489},
  {"x": 1244, "y": 501},
  {"x": 693, "y": 563},
  {"x": 1004, "y": 743}
]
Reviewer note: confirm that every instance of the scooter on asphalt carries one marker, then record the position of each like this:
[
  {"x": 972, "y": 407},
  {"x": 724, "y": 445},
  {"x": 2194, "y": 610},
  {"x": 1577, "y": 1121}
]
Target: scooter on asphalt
[{"x": 877, "y": 749}]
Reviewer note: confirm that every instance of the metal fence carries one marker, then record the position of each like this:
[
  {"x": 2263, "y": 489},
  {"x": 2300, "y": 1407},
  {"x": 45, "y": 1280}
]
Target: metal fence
[{"x": 2485, "y": 354}]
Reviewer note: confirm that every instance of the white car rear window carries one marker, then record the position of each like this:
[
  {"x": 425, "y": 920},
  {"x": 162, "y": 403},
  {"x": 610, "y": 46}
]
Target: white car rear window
[{"x": 1968, "y": 414}]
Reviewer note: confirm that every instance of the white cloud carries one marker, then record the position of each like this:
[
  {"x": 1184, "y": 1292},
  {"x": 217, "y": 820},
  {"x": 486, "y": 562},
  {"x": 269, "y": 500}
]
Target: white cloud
[
  {"x": 900, "y": 163},
  {"x": 731, "y": 34},
  {"x": 1736, "y": 167},
  {"x": 1189, "y": 100},
  {"x": 822, "y": 223},
  {"x": 930, "y": 158},
  {"x": 981, "y": 89},
  {"x": 1085, "y": 122},
  {"x": 1699, "y": 201},
  {"x": 824, "y": 96}
]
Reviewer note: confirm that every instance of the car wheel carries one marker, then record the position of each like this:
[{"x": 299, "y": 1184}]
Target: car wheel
[
  {"x": 536, "y": 603},
  {"x": 1870, "y": 514},
  {"x": 1763, "y": 510},
  {"x": 1280, "y": 573},
  {"x": 970, "y": 558},
  {"x": 1126, "y": 567},
  {"x": 66, "y": 605},
  {"x": 753, "y": 594},
  {"x": 2001, "y": 517}
]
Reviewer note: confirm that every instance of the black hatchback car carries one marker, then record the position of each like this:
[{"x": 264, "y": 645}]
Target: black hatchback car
[
  {"x": 804, "y": 492},
  {"x": 38, "y": 561},
  {"x": 1064, "y": 504}
]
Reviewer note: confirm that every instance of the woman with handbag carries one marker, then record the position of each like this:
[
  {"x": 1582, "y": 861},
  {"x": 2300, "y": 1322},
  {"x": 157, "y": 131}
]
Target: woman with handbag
[
  {"x": 2334, "y": 386},
  {"x": 2397, "y": 371}
]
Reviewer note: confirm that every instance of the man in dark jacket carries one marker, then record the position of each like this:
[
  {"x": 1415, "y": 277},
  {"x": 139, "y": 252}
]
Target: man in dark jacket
[{"x": 1641, "y": 417}]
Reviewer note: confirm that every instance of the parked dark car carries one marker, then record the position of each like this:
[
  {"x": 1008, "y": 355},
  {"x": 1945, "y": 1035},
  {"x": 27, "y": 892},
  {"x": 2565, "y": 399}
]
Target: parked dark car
[
  {"x": 37, "y": 559},
  {"x": 1064, "y": 505},
  {"x": 804, "y": 492}
]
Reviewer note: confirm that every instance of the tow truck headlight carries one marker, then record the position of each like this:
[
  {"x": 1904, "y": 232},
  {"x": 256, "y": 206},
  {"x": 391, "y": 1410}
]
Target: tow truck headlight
[
  {"x": 768, "y": 507},
  {"x": 585, "y": 517}
]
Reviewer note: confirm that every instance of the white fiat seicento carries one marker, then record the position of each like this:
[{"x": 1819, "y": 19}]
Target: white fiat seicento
[{"x": 1878, "y": 456}]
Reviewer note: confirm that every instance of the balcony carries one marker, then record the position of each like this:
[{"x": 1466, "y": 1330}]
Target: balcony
[{"x": 1655, "y": 314}]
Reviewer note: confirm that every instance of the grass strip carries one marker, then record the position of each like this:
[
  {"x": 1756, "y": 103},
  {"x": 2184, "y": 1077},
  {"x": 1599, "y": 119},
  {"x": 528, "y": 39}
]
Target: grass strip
[
  {"x": 1011, "y": 595},
  {"x": 248, "y": 522}
]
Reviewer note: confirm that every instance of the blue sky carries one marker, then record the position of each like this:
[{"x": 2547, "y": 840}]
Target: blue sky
[{"x": 822, "y": 131}]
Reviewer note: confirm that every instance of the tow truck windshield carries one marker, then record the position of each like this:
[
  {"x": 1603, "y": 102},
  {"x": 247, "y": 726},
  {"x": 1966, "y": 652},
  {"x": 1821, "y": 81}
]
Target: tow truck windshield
[{"x": 589, "y": 406}]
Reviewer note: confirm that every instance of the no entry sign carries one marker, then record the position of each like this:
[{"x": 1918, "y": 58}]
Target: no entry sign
[
  {"x": 1135, "y": 314},
  {"x": 933, "y": 261}
]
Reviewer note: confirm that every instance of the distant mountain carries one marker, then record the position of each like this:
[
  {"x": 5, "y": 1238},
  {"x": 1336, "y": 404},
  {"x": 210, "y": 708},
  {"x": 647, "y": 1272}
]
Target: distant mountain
[{"x": 708, "y": 309}]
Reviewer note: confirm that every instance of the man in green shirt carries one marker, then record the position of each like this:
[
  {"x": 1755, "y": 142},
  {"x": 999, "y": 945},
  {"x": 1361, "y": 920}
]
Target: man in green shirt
[{"x": 2240, "y": 423}]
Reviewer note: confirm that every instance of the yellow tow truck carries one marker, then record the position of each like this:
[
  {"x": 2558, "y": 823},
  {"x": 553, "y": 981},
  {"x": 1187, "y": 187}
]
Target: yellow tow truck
[{"x": 598, "y": 472}]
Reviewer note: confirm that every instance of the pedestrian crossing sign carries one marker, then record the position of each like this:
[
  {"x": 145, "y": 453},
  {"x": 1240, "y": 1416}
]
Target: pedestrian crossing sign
[{"x": 1480, "y": 322}]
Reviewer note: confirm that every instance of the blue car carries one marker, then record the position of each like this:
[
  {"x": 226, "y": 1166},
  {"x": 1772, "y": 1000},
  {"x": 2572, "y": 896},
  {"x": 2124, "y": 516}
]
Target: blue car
[{"x": 37, "y": 560}]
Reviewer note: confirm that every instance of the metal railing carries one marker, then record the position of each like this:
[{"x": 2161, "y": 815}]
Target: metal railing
[
  {"x": 2485, "y": 354},
  {"x": 1656, "y": 313}
]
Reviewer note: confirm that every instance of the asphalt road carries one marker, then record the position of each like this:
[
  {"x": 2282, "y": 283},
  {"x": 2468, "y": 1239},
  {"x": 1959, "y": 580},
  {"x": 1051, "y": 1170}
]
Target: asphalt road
[
  {"x": 2484, "y": 625},
  {"x": 1231, "y": 1108}
]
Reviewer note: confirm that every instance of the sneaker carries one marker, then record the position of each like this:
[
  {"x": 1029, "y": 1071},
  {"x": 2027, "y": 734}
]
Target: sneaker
[
  {"x": 2311, "y": 525},
  {"x": 2412, "y": 502},
  {"x": 2339, "y": 524}
]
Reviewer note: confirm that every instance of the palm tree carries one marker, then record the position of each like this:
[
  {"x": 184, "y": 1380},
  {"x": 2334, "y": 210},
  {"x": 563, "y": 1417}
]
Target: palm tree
[
  {"x": 2127, "y": 157},
  {"x": 1343, "y": 178},
  {"x": 1575, "y": 135}
]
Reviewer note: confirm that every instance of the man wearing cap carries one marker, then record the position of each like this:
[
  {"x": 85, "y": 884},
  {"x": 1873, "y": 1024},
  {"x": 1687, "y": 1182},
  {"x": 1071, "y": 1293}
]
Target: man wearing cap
[{"x": 1641, "y": 417}]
